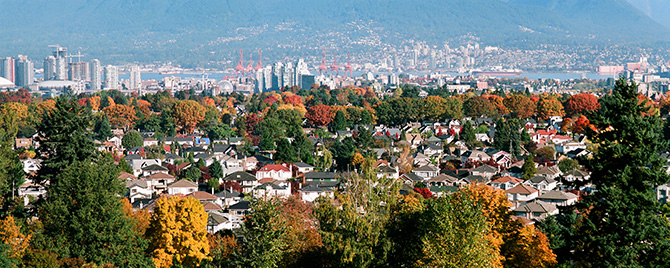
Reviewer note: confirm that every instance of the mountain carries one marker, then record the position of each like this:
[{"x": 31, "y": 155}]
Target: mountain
[
  {"x": 208, "y": 30},
  {"x": 658, "y": 10}
]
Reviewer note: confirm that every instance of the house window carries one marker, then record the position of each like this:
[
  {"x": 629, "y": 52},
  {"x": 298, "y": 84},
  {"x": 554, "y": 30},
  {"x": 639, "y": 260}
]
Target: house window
[
  {"x": 134, "y": 190},
  {"x": 536, "y": 214},
  {"x": 190, "y": 190},
  {"x": 663, "y": 193}
]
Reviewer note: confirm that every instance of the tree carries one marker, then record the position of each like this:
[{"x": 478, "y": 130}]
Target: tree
[
  {"x": 132, "y": 139},
  {"x": 509, "y": 136},
  {"x": 546, "y": 152},
  {"x": 192, "y": 173},
  {"x": 10, "y": 234},
  {"x": 140, "y": 218},
  {"x": 11, "y": 169},
  {"x": 216, "y": 170},
  {"x": 568, "y": 164},
  {"x": 103, "y": 129},
  {"x": 434, "y": 108},
  {"x": 264, "y": 232},
  {"x": 519, "y": 106},
  {"x": 621, "y": 224},
  {"x": 468, "y": 133},
  {"x": 548, "y": 107},
  {"x": 120, "y": 116},
  {"x": 187, "y": 114},
  {"x": 477, "y": 106},
  {"x": 124, "y": 166},
  {"x": 363, "y": 138},
  {"x": 285, "y": 151},
  {"x": 340, "y": 121},
  {"x": 528, "y": 167},
  {"x": 325, "y": 159},
  {"x": 582, "y": 123},
  {"x": 454, "y": 108},
  {"x": 178, "y": 232},
  {"x": 319, "y": 115},
  {"x": 527, "y": 246},
  {"x": 63, "y": 135},
  {"x": 83, "y": 217},
  {"x": 219, "y": 131},
  {"x": 583, "y": 103}
]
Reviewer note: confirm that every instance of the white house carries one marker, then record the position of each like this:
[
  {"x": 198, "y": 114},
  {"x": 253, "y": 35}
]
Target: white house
[
  {"x": 558, "y": 198},
  {"x": 270, "y": 190},
  {"x": 541, "y": 183},
  {"x": 182, "y": 187},
  {"x": 506, "y": 182},
  {"x": 246, "y": 180},
  {"x": 535, "y": 210},
  {"x": 521, "y": 194},
  {"x": 426, "y": 172},
  {"x": 310, "y": 193},
  {"x": 274, "y": 172},
  {"x": 139, "y": 189}
]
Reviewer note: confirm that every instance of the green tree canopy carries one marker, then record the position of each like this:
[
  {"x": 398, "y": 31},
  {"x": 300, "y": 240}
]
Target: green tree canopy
[{"x": 132, "y": 139}]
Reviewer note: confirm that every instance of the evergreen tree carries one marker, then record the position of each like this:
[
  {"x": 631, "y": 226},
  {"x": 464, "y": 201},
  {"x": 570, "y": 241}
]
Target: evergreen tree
[
  {"x": 83, "y": 217},
  {"x": 285, "y": 151},
  {"x": 363, "y": 138},
  {"x": 340, "y": 121},
  {"x": 304, "y": 147},
  {"x": 264, "y": 233},
  {"x": 468, "y": 133},
  {"x": 528, "y": 167},
  {"x": 124, "y": 166},
  {"x": 621, "y": 224},
  {"x": 216, "y": 170},
  {"x": 192, "y": 173},
  {"x": 200, "y": 163},
  {"x": 64, "y": 139},
  {"x": 11, "y": 169},
  {"x": 103, "y": 130}
]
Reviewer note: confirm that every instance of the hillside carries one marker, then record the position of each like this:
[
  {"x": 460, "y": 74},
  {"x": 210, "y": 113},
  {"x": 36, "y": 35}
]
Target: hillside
[
  {"x": 658, "y": 10},
  {"x": 127, "y": 30}
]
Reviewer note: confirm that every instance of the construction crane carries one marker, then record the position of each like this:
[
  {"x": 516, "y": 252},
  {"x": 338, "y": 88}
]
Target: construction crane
[
  {"x": 240, "y": 65},
  {"x": 334, "y": 68},
  {"x": 260, "y": 60},
  {"x": 347, "y": 68},
  {"x": 250, "y": 67},
  {"x": 323, "y": 69}
]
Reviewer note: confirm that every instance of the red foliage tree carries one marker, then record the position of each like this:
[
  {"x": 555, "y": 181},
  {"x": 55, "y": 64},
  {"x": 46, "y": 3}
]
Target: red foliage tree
[
  {"x": 293, "y": 99},
  {"x": 250, "y": 121},
  {"x": 581, "y": 104},
  {"x": 424, "y": 192},
  {"x": 230, "y": 185},
  {"x": 319, "y": 115}
]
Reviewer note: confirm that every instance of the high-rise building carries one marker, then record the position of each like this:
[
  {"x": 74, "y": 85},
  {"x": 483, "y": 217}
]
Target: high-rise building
[
  {"x": 50, "y": 68},
  {"x": 25, "y": 71},
  {"x": 96, "y": 75},
  {"x": 267, "y": 76},
  {"x": 111, "y": 77},
  {"x": 277, "y": 76},
  {"x": 135, "y": 78},
  {"x": 260, "y": 81},
  {"x": 79, "y": 71},
  {"x": 288, "y": 75},
  {"x": 7, "y": 69}
]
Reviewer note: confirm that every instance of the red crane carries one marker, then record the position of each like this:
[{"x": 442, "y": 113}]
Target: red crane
[
  {"x": 323, "y": 68},
  {"x": 240, "y": 65},
  {"x": 334, "y": 68},
  {"x": 260, "y": 60},
  {"x": 250, "y": 67},
  {"x": 347, "y": 68}
]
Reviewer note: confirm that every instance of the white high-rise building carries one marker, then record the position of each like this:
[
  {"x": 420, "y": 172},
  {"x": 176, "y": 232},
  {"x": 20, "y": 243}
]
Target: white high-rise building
[
  {"x": 260, "y": 81},
  {"x": 96, "y": 75},
  {"x": 50, "y": 68},
  {"x": 278, "y": 76},
  {"x": 135, "y": 78},
  {"x": 79, "y": 71},
  {"x": 111, "y": 77},
  {"x": 61, "y": 68},
  {"x": 25, "y": 71},
  {"x": 7, "y": 69},
  {"x": 288, "y": 75}
]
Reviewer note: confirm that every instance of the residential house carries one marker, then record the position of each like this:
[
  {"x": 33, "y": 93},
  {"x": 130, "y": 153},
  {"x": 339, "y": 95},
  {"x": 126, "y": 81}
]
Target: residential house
[
  {"x": 473, "y": 179},
  {"x": 426, "y": 172},
  {"x": 274, "y": 172},
  {"x": 521, "y": 194},
  {"x": 551, "y": 172},
  {"x": 138, "y": 164},
  {"x": 430, "y": 149},
  {"x": 483, "y": 137},
  {"x": 485, "y": 171},
  {"x": 558, "y": 198},
  {"x": 153, "y": 169},
  {"x": 387, "y": 171},
  {"x": 535, "y": 210},
  {"x": 576, "y": 175},
  {"x": 414, "y": 139},
  {"x": 237, "y": 212},
  {"x": 569, "y": 146},
  {"x": 203, "y": 197},
  {"x": 246, "y": 180},
  {"x": 159, "y": 181},
  {"x": 182, "y": 187},
  {"x": 410, "y": 179},
  {"x": 222, "y": 149},
  {"x": 31, "y": 191},
  {"x": 474, "y": 156},
  {"x": 270, "y": 190},
  {"x": 139, "y": 189},
  {"x": 148, "y": 142},
  {"x": 311, "y": 192},
  {"x": 421, "y": 160},
  {"x": 228, "y": 197},
  {"x": 231, "y": 164},
  {"x": 514, "y": 171},
  {"x": 303, "y": 167},
  {"x": 544, "y": 184},
  {"x": 442, "y": 180},
  {"x": 207, "y": 158},
  {"x": 663, "y": 192},
  {"x": 506, "y": 182},
  {"x": 217, "y": 221},
  {"x": 321, "y": 177},
  {"x": 23, "y": 143},
  {"x": 31, "y": 165}
]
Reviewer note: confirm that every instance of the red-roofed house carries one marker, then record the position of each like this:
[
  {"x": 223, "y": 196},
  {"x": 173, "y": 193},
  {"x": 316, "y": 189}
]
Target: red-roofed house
[
  {"x": 507, "y": 182},
  {"x": 542, "y": 136},
  {"x": 275, "y": 172}
]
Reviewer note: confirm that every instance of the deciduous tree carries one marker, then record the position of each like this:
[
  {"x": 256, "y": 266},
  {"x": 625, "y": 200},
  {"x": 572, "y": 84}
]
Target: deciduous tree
[
  {"x": 187, "y": 114},
  {"x": 477, "y": 106},
  {"x": 548, "y": 107},
  {"x": 132, "y": 139},
  {"x": 120, "y": 116},
  {"x": 519, "y": 106},
  {"x": 581, "y": 104},
  {"x": 178, "y": 232},
  {"x": 319, "y": 115}
]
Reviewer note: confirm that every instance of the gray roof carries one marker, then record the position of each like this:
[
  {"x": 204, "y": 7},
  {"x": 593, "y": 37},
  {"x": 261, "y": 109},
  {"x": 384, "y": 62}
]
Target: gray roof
[
  {"x": 475, "y": 178},
  {"x": 486, "y": 168},
  {"x": 321, "y": 175},
  {"x": 154, "y": 167},
  {"x": 412, "y": 176},
  {"x": 240, "y": 176},
  {"x": 539, "y": 207},
  {"x": 242, "y": 205},
  {"x": 302, "y": 165},
  {"x": 133, "y": 156},
  {"x": 539, "y": 179},
  {"x": 426, "y": 168},
  {"x": 386, "y": 169},
  {"x": 315, "y": 188},
  {"x": 226, "y": 193},
  {"x": 171, "y": 156},
  {"x": 220, "y": 148},
  {"x": 272, "y": 185},
  {"x": 557, "y": 195},
  {"x": 576, "y": 173}
]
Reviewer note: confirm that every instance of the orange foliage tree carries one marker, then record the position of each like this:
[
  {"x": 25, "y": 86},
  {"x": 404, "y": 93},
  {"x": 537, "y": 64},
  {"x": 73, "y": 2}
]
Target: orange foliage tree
[
  {"x": 580, "y": 124},
  {"x": 120, "y": 116},
  {"x": 651, "y": 106},
  {"x": 11, "y": 235},
  {"x": 319, "y": 115},
  {"x": 497, "y": 101},
  {"x": 94, "y": 102},
  {"x": 187, "y": 114},
  {"x": 581, "y": 104},
  {"x": 519, "y": 106},
  {"x": 139, "y": 217}
]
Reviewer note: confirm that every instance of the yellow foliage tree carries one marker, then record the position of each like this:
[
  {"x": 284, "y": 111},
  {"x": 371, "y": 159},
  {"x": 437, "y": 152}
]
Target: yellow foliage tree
[
  {"x": 45, "y": 107},
  {"x": 11, "y": 234},
  {"x": 20, "y": 110},
  {"x": 140, "y": 217},
  {"x": 528, "y": 247},
  {"x": 495, "y": 208},
  {"x": 178, "y": 231}
]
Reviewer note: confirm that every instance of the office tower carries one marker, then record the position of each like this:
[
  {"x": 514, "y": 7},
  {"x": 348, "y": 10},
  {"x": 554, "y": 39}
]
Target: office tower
[
  {"x": 79, "y": 71},
  {"x": 96, "y": 75},
  {"x": 50, "y": 68},
  {"x": 7, "y": 69},
  {"x": 267, "y": 76},
  {"x": 260, "y": 81},
  {"x": 111, "y": 77},
  {"x": 288, "y": 75},
  {"x": 135, "y": 78},
  {"x": 277, "y": 76},
  {"x": 25, "y": 71}
]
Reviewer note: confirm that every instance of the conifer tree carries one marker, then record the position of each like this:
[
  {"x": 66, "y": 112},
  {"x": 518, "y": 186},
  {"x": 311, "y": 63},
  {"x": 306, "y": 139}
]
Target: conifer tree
[
  {"x": 621, "y": 224},
  {"x": 103, "y": 130}
]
